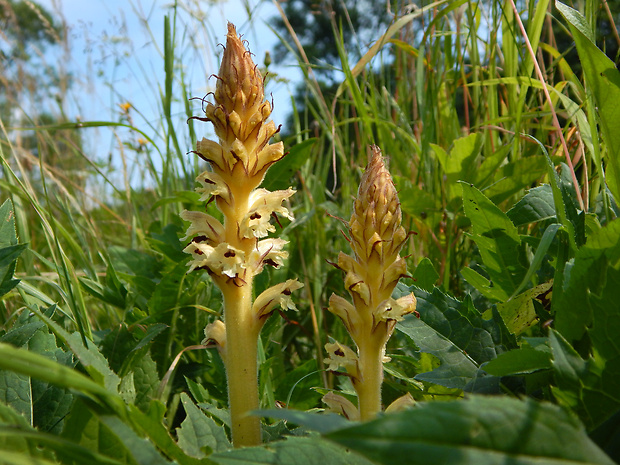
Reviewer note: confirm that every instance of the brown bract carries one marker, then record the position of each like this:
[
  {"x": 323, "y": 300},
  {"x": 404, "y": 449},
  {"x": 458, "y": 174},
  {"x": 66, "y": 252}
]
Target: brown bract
[{"x": 240, "y": 116}]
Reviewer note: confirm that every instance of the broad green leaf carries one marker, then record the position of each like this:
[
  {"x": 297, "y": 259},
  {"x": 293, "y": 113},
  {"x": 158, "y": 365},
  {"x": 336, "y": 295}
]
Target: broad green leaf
[
  {"x": 515, "y": 176},
  {"x": 425, "y": 276},
  {"x": 457, "y": 370},
  {"x": 152, "y": 424},
  {"x": 12, "y": 421},
  {"x": 84, "y": 429},
  {"x": 199, "y": 435},
  {"x": 519, "y": 361},
  {"x": 536, "y": 205},
  {"x": 42, "y": 404},
  {"x": 603, "y": 80},
  {"x": 279, "y": 175},
  {"x": 89, "y": 356},
  {"x": 320, "y": 422},
  {"x": 146, "y": 381},
  {"x": 519, "y": 313},
  {"x": 588, "y": 387},
  {"x": 292, "y": 451},
  {"x": 39, "y": 367},
  {"x": 9, "y": 249},
  {"x": 461, "y": 163},
  {"x": 498, "y": 242},
  {"x": 478, "y": 430},
  {"x": 584, "y": 276}
]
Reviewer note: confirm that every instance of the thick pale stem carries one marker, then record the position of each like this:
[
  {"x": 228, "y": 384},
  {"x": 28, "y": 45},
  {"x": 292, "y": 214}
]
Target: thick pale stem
[
  {"x": 368, "y": 387},
  {"x": 242, "y": 330}
]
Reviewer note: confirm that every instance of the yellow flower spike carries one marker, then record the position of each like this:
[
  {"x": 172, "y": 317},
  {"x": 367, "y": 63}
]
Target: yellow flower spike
[
  {"x": 233, "y": 252},
  {"x": 376, "y": 236}
]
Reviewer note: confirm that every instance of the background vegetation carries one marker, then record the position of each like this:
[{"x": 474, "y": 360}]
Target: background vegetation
[{"x": 508, "y": 169}]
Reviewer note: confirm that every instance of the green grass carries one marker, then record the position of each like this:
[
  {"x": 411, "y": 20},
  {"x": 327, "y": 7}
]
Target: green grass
[{"x": 98, "y": 314}]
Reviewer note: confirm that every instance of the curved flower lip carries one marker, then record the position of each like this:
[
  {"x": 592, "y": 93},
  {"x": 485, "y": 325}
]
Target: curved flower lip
[
  {"x": 341, "y": 405},
  {"x": 395, "y": 309},
  {"x": 212, "y": 185},
  {"x": 280, "y": 294},
  {"x": 268, "y": 251},
  {"x": 222, "y": 259},
  {"x": 263, "y": 204},
  {"x": 204, "y": 225},
  {"x": 342, "y": 356}
]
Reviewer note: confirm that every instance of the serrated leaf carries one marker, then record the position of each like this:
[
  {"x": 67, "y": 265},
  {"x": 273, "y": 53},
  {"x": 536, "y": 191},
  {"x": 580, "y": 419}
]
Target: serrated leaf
[
  {"x": 460, "y": 164},
  {"x": 425, "y": 276},
  {"x": 478, "y": 430},
  {"x": 199, "y": 435},
  {"x": 146, "y": 380},
  {"x": 582, "y": 385},
  {"x": 456, "y": 369},
  {"x": 142, "y": 450},
  {"x": 152, "y": 424},
  {"x": 515, "y": 176},
  {"x": 497, "y": 239},
  {"x": 84, "y": 429},
  {"x": 585, "y": 276},
  {"x": 519, "y": 313},
  {"x": 292, "y": 451},
  {"x": 536, "y": 205}
]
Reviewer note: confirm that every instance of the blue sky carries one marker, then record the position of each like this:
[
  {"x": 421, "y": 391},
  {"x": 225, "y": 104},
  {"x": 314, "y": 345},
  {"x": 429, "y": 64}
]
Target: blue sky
[{"x": 115, "y": 53}]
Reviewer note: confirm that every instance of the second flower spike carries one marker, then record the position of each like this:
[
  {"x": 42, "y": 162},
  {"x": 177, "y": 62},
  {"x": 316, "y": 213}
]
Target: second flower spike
[{"x": 371, "y": 274}]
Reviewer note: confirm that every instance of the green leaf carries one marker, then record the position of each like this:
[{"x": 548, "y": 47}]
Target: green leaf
[
  {"x": 320, "y": 422},
  {"x": 152, "y": 424},
  {"x": 459, "y": 337},
  {"x": 146, "y": 380},
  {"x": 425, "y": 275},
  {"x": 584, "y": 276},
  {"x": 199, "y": 435},
  {"x": 478, "y": 430},
  {"x": 39, "y": 367},
  {"x": 519, "y": 361},
  {"x": 279, "y": 175},
  {"x": 142, "y": 450},
  {"x": 84, "y": 429},
  {"x": 461, "y": 163},
  {"x": 9, "y": 249},
  {"x": 603, "y": 80},
  {"x": 588, "y": 387},
  {"x": 536, "y": 205},
  {"x": 515, "y": 176},
  {"x": 292, "y": 451},
  {"x": 12, "y": 421},
  {"x": 42, "y": 404},
  {"x": 498, "y": 242},
  {"x": 457, "y": 370},
  {"x": 519, "y": 313}
]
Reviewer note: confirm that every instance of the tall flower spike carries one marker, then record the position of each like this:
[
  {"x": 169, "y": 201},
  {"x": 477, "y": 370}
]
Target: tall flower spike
[
  {"x": 231, "y": 252},
  {"x": 376, "y": 236}
]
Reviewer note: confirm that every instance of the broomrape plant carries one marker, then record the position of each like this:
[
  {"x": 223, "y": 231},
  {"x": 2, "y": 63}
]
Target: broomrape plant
[
  {"x": 376, "y": 236},
  {"x": 234, "y": 252}
]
